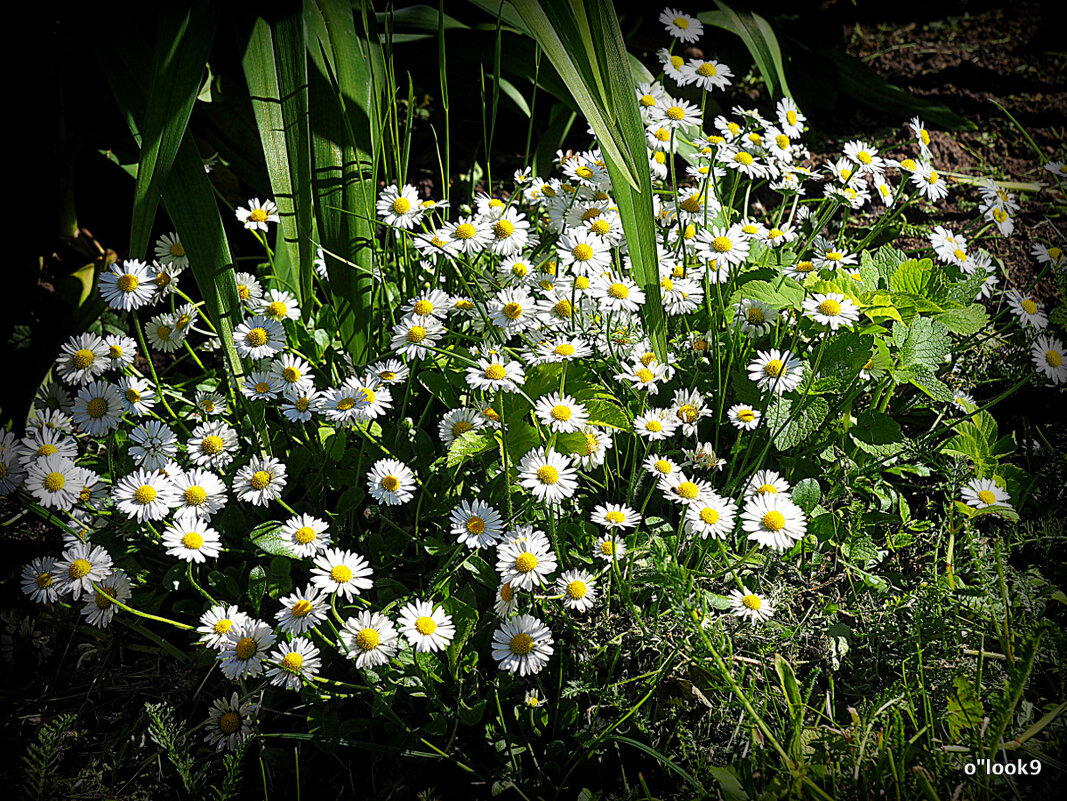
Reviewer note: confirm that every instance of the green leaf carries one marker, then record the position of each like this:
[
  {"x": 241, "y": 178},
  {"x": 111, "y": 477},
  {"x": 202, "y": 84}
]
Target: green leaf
[
  {"x": 964, "y": 709},
  {"x": 275, "y": 67},
  {"x": 840, "y": 637},
  {"x": 912, "y": 277},
  {"x": 466, "y": 445},
  {"x": 789, "y": 294},
  {"x": 760, "y": 40},
  {"x": 183, "y": 41},
  {"x": 966, "y": 321},
  {"x": 927, "y": 344},
  {"x": 790, "y": 427},
  {"x": 924, "y": 379},
  {"x": 806, "y": 494},
  {"x": 268, "y": 538},
  {"x": 606, "y": 413},
  {"x": 877, "y": 433}
]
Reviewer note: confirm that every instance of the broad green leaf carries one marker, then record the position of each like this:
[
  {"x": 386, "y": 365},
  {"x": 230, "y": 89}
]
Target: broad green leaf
[
  {"x": 784, "y": 294},
  {"x": 760, "y": 40},
  {"x": 275, "y": 67},
  {"x": 877, "y": 433},
  {"x": 466, "y": 445},
  {"x": 183, "y": 41},
  {"x": 806, "y": 494},
  {"x": 788, "y": 426},
  {"x": 606, "y": 413},
  {"x": 966, "y": 321},
  {"x": 927, "y": 344},
  {"x": 268, "y": 538},
  {"x": 964, "y": 710},
  {"x": 912, "y": 276}
]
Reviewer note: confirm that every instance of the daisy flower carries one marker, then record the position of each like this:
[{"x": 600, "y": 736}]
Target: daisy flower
[
  {"x": 138, "y": 393},
  {"x": 38, "y": 581},
  {"x": 609, "y": 547},
  {"x": 259, "y": 338},
  {"x": 210, "y": 403},
  {"x": 706, "y": 75},
  {"x": 618, "y": 295},
  {"x": 496, "y": 372},
  {"x": 391, "y": 371},
  {"x": 278, "y": 305},
  {"x": 746, "y": 605},
  {"x": 294, "y": 661},
  {"x": 82, "y": 358},
  {"x": 578, "y": 589},
  {"x": 249, "y": 290},
  {"x": 305, "y": 535},
  {"x": 766, "y": 482},
  {"x": 258, "y": 214},
  {"x": 100, "y": 609},
  {"x": 983, "y": 492},
  {"x": 342, "y": 405},
  {"x": 773, "y": 521},
  {"x": 191, "y": 539},
  {"x": 513, "y": 311},
  {"x": 643, "y": 376},
  {"x": 1048, "y": 354},
  {"x": 374, "y": 399},
  {"x": 152, "y": 445},
  {"x": 213, "y": 444},
  {"x": 164, "y": 334},
  {"x": 215, "y": 625},
  {"x": 671, "y": 64},
  {"x": 756, "y": 317},
  {"x": 52, "y": 481},
  {"x": 549, "y": 475},
  {"x": 681, "y": 26},
  {"x": 430, "y": 303},
  {"x": 866, "y": 156},
  {"x": 582, "y": 250},
  {"x": 412, "y": 337},
  {"x": 615, "y": 516},
  {"x": 144, "y": 495},
  {"x": 931, "y": 185},
  {"x": 712, "y": 516},
  {"x": 121, "y": 350},
  {"x": 476, "y": 524},
  {"x": 170, "y": 251},
  {"x": 97, "y": 408},
  {"x": 343, "y": 572},
  {"x": 260, "y": 481},
  {"x": 790, "y": 118},
  {"x": 832, "y": 309},
  {"x": 457, "y": 422},
  {"x": 743, "y": 416},
  {"x": 510, "y": 232},
  {"x": 776, "y": 371},
  {"x": 827, "y": 256},
  {"x": 522, "y": 645},
  {"x": 726, "y": 245},
  {"x": 655, "y": 426},
  {"x": 200, "y": 493},
  {"x": 391, "y": 482},
  {"x": 425, "y": 626},
  {"x": 399, "y": 206},
  {"x": 79, "y": 567},
  {"x": 507, "y": 600},
  {"x": 597, "y": 444},
  {"x": 561, "y": 413},
  {"x": 246, "y": 648},
  {"x": 922, "y": 136},
  {"x": 525, "y": 563},
  {"x": 127, "y": 287},
  {"x": 229, "y": 723},
  {"x": 677, "y": 115},
  {"x": 1028, "y": 310},
  {"x": 469, "y": 235},
  {"x": 369, "y": 638}
]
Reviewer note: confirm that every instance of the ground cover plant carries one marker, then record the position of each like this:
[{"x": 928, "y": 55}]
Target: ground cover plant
[{"x": 669, "y": 468}]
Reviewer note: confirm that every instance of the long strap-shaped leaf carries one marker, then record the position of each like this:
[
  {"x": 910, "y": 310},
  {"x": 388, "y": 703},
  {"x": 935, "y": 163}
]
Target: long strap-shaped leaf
[
  {"x": 597, "y": 73},
  {"x": 760, "y": 40},
  {"x": 183, "y": 42},
  {"x": 187, "y": 194},
  {"x": 344, "y": 125},
  {"x": 275, "y": 66}
]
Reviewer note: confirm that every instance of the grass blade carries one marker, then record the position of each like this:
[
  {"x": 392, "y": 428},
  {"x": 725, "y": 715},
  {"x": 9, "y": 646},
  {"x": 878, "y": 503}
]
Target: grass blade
[
  {"x": 275, "y": 67},
  {"x": 760, "y": 40},
  {"x": 183, "y": 42}
]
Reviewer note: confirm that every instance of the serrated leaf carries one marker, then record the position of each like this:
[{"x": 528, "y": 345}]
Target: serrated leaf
[
  {"x": 267, "y": 537},
  {"x": 789, "y": 294},
  {"x": 789, "y": 429},
  {"x": 964, "y": 710},
  {"x": 466, "y": 445},
  {"x": 877, "y": 433},
  {"x": 927, "y": 344},
  {"x": 806, "y": 494},
  {"x": 966, "y": 321}
]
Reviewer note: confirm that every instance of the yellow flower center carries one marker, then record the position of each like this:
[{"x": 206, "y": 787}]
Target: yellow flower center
[
  {"x": 128, "y": 283},
  {"x": 1000, "y": 215},
  {"x": 475, "y": 525},
  {"x": 563, "y": 308},
  {"x": 581, "y": 282},
  {"x": 791, "y": 117},
  {"x": 583, "y": 252},
  {"x": 615, "y": 516},
  {"x": 416, "y": 334},
  {"x": 647, "y": 100},
  {"x": 584, "y": 172},
  {"x": 43, "y": 580},
  {"x": 1029, "y": 306},
  {"x": 211, "y": 445},
  {"x": 367, "y": 639},
  {"x": 645, "y": 375},
  {"x": 687, "y": 490},
  {"x": 503, "y": 229},
  {"x": 663, "y": 466},
  {"x": 425, "y": 626},
  {"x": 677, "y": 61},
  {"x": 752, "y": 601},
  {"x": 755, "y": 315},
  {"x": 804, "y": 267},
  {"x": 192, "y": 540},
  {"x": 292, "y": 661},
  {"x": 687, "y": 413},
  {"x": 341, "y": 574},
  {"x": 260, "y": 479},
  {"x": 462, "y": 427},
  {"x": 96, "y": 408},
  {"x": 721, "y": 244},
  {"x": 525, "y": 562},
  {"x": 79, "y": 568},
  {"x": 619, "y": 291},
  {"x": 864, "y": 157},
  {"x": 830, "y": 307},
  {"x": 774, "y": 368},
  {"x": 145, "y": 494},
  {"x": 709, "y": 515},
  {"x": 465, "y": 231},
  {"x": 423, "y": 307},
  {"x": 744, "y": 158},
  {"x": 655, "y": 426},
  {"x": 773, "y": 520},
  {"x": 561, "y": 413},
  {"x": 495, "y": 372},
  {"x": 262, "y": 387},
  {"x": 521, "y": 643},
  {"x": 577, "y": 589},
  {"x": 707, "y": 70},
  {"x": 230, "y": 722},
  {"x": 987, "y": 497},
  {"x": 257, "y": 337},
  {"x": 691, "y": 204},
  {"x": 1054, "y": 358},
  {"x": 513, "y": 310},
  {"x": 607, "y": 547},
  {"x": 547, "y": 474},
  {"x": 506, "y": 592},
  {"x": 304, "y": 535},
  {"x": 82, "y": 358},
  {"x": 675, "y": 113},
  {"x": 132, "y": 395},
  {"x": 390, "y": 483},
  {"x": 258, "y": 215},
  {"x": 782, "y": 141},
  {"x": 163, "y": 332},
  {"x": 245, "y": 649},
  {"x": 401, "y": 205},
  {"x": 243, "y": 292},
  {"x": 223, "y": 626},
  {"x": 681, "y": 22},
  {"x": 301, "y": 608},
  {"x": 933, "y": 177}
]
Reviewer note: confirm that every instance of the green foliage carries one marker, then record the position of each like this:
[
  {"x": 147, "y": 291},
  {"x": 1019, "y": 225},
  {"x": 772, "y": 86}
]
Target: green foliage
[{"x": 42, "y": 756}]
